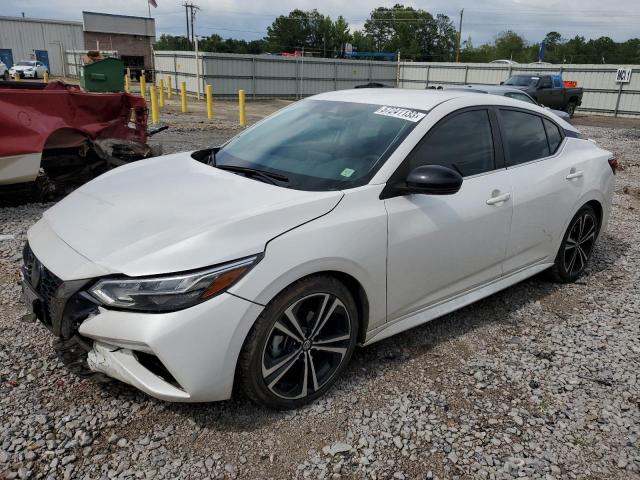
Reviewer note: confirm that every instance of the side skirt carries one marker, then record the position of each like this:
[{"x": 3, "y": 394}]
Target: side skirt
[{"x": 462, "y": 300}]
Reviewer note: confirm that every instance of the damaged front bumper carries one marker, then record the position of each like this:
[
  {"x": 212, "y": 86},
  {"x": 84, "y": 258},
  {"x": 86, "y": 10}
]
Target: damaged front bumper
[
  {"x": 122, "y": 364},
  {"x": 185, "y": 356}
]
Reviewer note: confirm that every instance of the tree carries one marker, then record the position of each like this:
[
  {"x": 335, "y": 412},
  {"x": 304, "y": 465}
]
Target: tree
[
  {"x": 340, "y": 33},
  {"x": 290, "y": 32},
  {"x": 510, "y": 45}
]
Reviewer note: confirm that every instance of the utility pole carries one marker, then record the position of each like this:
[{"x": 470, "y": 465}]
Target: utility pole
[
  {"x": 186, "y": 12},
  {"x": 459, "y": 37},
  {"x": 190, "y": 11}
]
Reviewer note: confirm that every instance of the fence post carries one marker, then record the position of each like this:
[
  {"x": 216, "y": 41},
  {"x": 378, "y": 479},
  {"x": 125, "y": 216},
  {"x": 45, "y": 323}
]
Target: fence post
[
  {"x": 253, "y": 77},
  {"x": 335, "y": 75},
  {"x": 369, "y": 73},
  {"x": 466, "y": 73},
  {"x": 428, "y": 70},
  {"x": 297, "y": 79},
  {"x": 615, "y": 112},
  {"x": 509, "y": 72}
]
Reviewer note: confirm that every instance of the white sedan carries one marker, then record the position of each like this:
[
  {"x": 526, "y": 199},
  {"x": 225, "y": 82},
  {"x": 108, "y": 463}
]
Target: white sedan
[
  {"x": 28, "y": 69},
  {"x": 338, "y": 221}
]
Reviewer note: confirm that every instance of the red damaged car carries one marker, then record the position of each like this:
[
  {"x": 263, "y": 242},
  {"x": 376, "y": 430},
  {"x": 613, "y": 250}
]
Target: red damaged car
[{"x": 59, "y": 136}]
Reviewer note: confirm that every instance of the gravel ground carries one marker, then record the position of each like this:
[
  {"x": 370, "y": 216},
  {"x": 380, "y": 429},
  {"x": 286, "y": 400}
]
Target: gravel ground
[{"x": 538, "y": 381}]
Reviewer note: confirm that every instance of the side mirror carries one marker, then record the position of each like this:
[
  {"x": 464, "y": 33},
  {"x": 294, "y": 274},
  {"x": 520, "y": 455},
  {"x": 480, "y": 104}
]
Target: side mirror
[{"x": 432, "y": 180}]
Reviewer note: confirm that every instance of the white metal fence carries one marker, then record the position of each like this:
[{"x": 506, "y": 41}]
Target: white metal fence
[
  {"x": 271, "y": 76},
  {"x": 602, "y": 95},
  {"x": 274, "y": 76}
]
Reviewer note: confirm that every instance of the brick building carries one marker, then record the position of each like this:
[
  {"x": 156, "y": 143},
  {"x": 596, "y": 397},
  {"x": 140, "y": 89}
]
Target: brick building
[{"x": 131, "y": 37}]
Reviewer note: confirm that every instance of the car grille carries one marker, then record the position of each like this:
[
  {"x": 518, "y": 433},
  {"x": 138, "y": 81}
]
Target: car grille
[{"x": 43, "y": 281}]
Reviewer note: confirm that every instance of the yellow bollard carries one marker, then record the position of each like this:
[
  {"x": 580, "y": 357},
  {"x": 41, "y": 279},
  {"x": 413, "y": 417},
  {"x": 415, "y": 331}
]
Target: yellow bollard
[
  {"x": 127, "y": 84},
  {"x": 45, "y": 77},
  {"x": 16, "y": 77},
  {"x": 183, "y": 96},
  {"x": 209, "y": 102},
  {"x": 169, "y": 87},
  {"x": 243, "y": 116},
  {"x": 161, "y": 92},
  {"x": 143, "y": 85},
  {"x": 155, "y": 115}
]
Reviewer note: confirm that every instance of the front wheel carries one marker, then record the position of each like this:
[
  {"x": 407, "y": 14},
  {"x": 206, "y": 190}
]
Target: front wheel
[
  {"x": 300, "y": 344},
  {"x": 577, "y": 246}
]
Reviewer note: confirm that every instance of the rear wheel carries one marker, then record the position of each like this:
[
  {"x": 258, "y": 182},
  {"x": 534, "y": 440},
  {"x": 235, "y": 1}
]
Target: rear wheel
[
  {"x": 577, "y": 246},
  {"x": 300, "y": 344},
  {"x": 571, "y": 109}
]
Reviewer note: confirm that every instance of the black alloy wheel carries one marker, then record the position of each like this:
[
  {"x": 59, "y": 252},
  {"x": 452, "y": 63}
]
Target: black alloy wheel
[
  {"x": 577, "y": 246},
  {"x": 300, "y": 344}
]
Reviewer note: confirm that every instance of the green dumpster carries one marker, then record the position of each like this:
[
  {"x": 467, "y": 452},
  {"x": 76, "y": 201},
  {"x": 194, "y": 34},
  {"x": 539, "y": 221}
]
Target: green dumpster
[{"x": 103, "y": 76}]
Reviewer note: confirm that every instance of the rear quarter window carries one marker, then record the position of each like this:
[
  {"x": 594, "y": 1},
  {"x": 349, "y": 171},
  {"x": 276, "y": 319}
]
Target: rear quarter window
[{"x": 553, "y": 135}]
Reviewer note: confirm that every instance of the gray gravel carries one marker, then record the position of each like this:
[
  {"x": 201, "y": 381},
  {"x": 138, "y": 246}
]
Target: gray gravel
[{"x": 539, "y": 381}]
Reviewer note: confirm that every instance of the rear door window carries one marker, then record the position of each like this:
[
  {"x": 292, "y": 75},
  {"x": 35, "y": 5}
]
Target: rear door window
[{"x": 524, "y": 136}]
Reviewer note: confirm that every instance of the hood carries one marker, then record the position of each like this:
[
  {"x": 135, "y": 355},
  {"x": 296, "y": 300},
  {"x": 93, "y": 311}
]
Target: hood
[
  {"x": 172, "y": 213},
  {"x": 20, "y": 68}
]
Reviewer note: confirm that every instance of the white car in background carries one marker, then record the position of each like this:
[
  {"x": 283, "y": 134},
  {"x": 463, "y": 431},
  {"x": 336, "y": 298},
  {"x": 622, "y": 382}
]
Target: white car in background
[
  {"x": 338, "y": 221},
  {"x": 4, "y": 71},
  {"x": 28, "y": 69}
]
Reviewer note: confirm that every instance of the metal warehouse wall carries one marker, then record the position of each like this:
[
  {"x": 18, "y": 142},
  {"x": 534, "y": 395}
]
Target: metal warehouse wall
[
  {"x": 602, "y": 95},
  {"x": 271, "y": 76},
  {"x": 24, "y": 35}
]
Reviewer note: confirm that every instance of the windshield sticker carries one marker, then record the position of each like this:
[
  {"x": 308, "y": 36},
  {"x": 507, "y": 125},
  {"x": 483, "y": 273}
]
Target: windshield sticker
[
  {"x": 403, "y": 113},
  {"x": 347, "y": 172}
]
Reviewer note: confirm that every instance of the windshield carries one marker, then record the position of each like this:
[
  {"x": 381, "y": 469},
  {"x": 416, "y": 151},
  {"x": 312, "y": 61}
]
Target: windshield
[
  {"x": 321, "y": 145},
  {"x": 26, "y": 64},
  {"x": 522, "y": 80}
]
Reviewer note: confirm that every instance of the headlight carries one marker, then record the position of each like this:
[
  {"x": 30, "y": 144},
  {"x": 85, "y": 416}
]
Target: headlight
[{"x": 170, "y": 292}]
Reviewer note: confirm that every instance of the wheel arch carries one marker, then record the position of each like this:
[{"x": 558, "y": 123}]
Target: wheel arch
[{"x": 359, "y": 295}]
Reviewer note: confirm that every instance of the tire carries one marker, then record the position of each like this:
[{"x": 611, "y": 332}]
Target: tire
[
  {"x": 6, "y": 76},
  {"x": 35, "y": 75},
  {"x": 577, "y": 246},
  {"x": 571, "y": 109},
  {"x": 279, "y": 354}
]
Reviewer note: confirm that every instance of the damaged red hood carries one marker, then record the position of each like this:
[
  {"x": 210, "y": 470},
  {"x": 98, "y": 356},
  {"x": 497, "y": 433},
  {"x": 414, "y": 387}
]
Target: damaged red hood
[{"x": 32, "y": 113}]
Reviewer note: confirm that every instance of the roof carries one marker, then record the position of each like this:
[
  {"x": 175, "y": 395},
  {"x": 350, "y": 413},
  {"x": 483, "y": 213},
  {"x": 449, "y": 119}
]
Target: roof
[
  {"x": 41, "y": 20},
  {"x": 397, "y": 97}
]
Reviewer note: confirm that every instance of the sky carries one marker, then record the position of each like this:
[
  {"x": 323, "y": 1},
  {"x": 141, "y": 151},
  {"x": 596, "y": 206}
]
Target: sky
[{"x": 248, "y": 19}]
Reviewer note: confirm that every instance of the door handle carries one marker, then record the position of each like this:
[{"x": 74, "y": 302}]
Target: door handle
[
  {"x": 574, "y": 174},
  {"x": 495, "y": 199}
]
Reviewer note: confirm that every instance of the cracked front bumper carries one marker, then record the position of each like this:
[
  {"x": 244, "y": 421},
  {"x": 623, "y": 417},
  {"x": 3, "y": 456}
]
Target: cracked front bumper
[{"x": 197, "y": 348}]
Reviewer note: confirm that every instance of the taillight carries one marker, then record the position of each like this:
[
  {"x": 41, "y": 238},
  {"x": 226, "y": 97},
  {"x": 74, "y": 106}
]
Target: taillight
[{"x": 613, "y": 163}]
